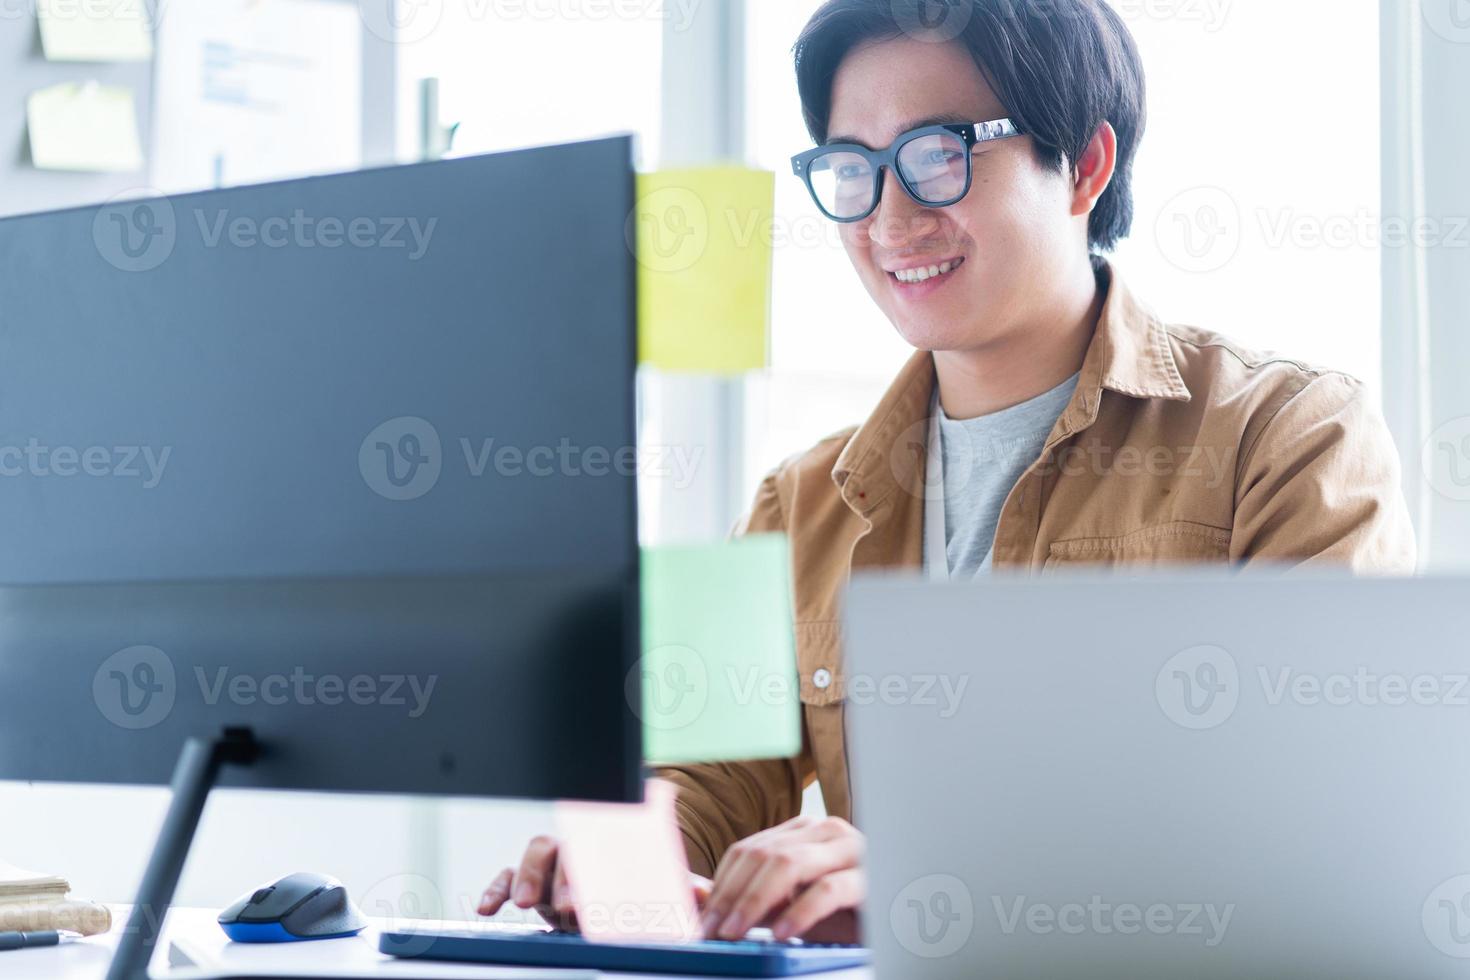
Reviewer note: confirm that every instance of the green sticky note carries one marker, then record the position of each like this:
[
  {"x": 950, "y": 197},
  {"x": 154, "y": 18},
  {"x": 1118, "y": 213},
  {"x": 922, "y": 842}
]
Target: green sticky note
[
  {"x": 704, "y": 269},
  {"x": 718, "y": 672},
  {"x": 95, "y": 30},
  {"x": 86, "y": 127}
]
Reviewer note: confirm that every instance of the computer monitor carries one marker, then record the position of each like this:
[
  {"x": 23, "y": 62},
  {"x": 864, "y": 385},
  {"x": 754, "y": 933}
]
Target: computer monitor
[{"x": 332, "y": 476}]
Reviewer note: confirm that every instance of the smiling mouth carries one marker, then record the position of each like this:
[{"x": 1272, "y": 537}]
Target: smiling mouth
[{"x": 920, "y": 274}]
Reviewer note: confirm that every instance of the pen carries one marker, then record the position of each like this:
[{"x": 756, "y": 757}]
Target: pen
[{"x": 30, "y": 940}]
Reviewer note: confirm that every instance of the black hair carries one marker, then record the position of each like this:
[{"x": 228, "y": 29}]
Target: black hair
[{"x": 1061, "y": 68}]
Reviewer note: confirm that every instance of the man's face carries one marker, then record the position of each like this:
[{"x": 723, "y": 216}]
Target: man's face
[{"x": 1006, "y": 243}]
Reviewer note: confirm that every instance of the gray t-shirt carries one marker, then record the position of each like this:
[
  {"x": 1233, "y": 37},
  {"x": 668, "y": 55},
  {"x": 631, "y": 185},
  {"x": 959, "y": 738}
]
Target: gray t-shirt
[{"x": 983, "y": 458}]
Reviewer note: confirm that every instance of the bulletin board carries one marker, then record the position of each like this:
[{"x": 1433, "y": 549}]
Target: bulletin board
[{"x": 23, "y": 70}]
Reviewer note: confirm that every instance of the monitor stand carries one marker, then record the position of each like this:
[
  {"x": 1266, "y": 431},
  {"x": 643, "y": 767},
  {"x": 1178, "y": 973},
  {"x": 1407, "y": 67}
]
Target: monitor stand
[{"x": 194, "y": 776}]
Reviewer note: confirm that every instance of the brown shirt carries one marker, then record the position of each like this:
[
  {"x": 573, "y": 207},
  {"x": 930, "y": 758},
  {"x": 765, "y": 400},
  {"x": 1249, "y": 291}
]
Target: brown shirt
[{"x": 1177, "y": 447}]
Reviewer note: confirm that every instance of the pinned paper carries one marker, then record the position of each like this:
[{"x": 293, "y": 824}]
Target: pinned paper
[
  {"x": 626, "y": 869},
  {"x": 95, "y": 30},
  {"x": 704, "y": 257},
  {"x": 247, "y": 91},
  {"x": 718, "y": 672},
  {"x": 87, "y": 127}
]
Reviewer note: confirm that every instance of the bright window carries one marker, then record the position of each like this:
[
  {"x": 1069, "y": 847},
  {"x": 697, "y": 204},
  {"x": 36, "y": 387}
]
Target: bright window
[
  {"x": 1258, "y": 183},
  {"x": 833, "y": 352},
  {"x": 525, "y": 74}
]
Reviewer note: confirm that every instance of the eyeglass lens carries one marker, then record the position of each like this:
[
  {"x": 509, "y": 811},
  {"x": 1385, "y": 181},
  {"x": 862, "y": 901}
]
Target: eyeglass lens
[{"x": 934, "y": 168}]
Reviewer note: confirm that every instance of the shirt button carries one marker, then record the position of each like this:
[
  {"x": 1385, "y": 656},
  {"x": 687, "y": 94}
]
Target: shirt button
[{"x": 821, "y": 678}]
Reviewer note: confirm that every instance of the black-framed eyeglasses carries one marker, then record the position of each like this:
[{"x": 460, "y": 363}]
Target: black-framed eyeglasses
[{"x": 934, "y": 165}]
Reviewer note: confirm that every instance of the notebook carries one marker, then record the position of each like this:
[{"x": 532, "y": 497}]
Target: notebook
[
  {"x": 30, "y": 902},
  {"x": 21, "y": 887}
]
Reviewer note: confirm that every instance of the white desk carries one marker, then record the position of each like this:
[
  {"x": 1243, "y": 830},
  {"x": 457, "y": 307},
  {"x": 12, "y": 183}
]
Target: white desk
[{"x": 195, "y": 948}]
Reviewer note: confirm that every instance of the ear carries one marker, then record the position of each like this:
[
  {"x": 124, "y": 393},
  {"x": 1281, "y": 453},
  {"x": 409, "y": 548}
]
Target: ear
[{"x": 1094, "y": 170}]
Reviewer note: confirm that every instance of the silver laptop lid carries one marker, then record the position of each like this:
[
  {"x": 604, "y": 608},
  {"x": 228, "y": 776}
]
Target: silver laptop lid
[{"x": 1203, "y": 777}]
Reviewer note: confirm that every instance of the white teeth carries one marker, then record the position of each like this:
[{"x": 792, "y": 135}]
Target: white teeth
[{"x": 924, "y": 275}]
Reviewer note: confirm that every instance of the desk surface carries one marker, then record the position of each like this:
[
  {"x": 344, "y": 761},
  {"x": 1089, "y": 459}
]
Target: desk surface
[{"x": 195, "y": 947}]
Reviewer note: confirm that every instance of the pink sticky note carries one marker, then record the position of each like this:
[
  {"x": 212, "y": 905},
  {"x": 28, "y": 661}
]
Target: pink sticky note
[{"x": 626, "y": 869}]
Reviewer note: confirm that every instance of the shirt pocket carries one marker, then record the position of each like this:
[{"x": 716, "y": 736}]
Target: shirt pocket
[
  {"x": 819, "y": 663},
  {"x": 1175, "y": 543}
]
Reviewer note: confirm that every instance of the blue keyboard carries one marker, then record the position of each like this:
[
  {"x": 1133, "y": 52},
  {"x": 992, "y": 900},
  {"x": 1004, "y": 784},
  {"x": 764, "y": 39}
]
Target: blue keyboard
[{"x": 527, "y": 946}]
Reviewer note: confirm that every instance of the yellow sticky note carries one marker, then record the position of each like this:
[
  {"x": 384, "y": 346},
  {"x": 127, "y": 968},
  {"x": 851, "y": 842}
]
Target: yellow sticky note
[
  {"x": 704, "y": 269},
  {"x": 86, "y": 127},
  {"x": 95, "y": 30}
]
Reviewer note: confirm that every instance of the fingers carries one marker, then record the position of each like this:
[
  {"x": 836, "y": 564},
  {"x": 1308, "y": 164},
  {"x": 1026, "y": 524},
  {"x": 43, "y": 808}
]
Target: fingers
[
  {"x": 780, "y": 877},
  {"x": 531, "y": 884},
  {"x": 701, "y": 886},
  {"x": 561, "y": 891},
  {"x": 533, "y": 879},
  {"x": 561, "y": 913},
  {"x": 740, "y": 862},
  {"x": 832, "y": 894},
  {"x": 768, "y": 881},
  {"x": 736, "y": 869},
  {"x": 761, "y": 873},
  {"x": 734, "y": 873},
  {"x": 498, "y": 893},
  {"x": 561, "y": 921}
]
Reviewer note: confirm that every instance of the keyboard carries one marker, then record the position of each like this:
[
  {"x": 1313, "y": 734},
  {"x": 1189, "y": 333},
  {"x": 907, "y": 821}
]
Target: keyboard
[{"x": 529, "y": 946}]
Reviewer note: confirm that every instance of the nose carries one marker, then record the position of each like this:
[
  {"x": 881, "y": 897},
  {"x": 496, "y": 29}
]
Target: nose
[{"x": 899, "y": 221}]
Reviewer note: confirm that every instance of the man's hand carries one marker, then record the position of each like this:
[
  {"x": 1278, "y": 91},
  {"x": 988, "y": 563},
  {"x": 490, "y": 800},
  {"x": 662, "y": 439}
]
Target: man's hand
[
  {"x": 801, "y": 875},
  {"x": 541, "y": 883}
]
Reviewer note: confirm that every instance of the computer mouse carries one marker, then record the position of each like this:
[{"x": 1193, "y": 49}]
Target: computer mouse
[{"x": 299, "y": 906}]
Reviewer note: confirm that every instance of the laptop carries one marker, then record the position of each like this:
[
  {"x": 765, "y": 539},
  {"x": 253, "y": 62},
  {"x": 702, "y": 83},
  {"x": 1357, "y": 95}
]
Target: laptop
[{"x": 1199, "y": 775}]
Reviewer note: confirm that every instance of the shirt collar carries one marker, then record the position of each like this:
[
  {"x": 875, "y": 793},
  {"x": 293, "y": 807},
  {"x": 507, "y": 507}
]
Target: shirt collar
[{"x": 1130, "y": 354}]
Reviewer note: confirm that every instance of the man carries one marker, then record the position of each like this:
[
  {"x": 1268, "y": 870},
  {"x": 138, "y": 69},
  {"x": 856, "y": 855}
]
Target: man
[{"x": 1048, "y": 419}]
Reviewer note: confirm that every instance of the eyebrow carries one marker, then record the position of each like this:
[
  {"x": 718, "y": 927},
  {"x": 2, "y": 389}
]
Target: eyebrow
[{"x": 948, "y": 119}]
